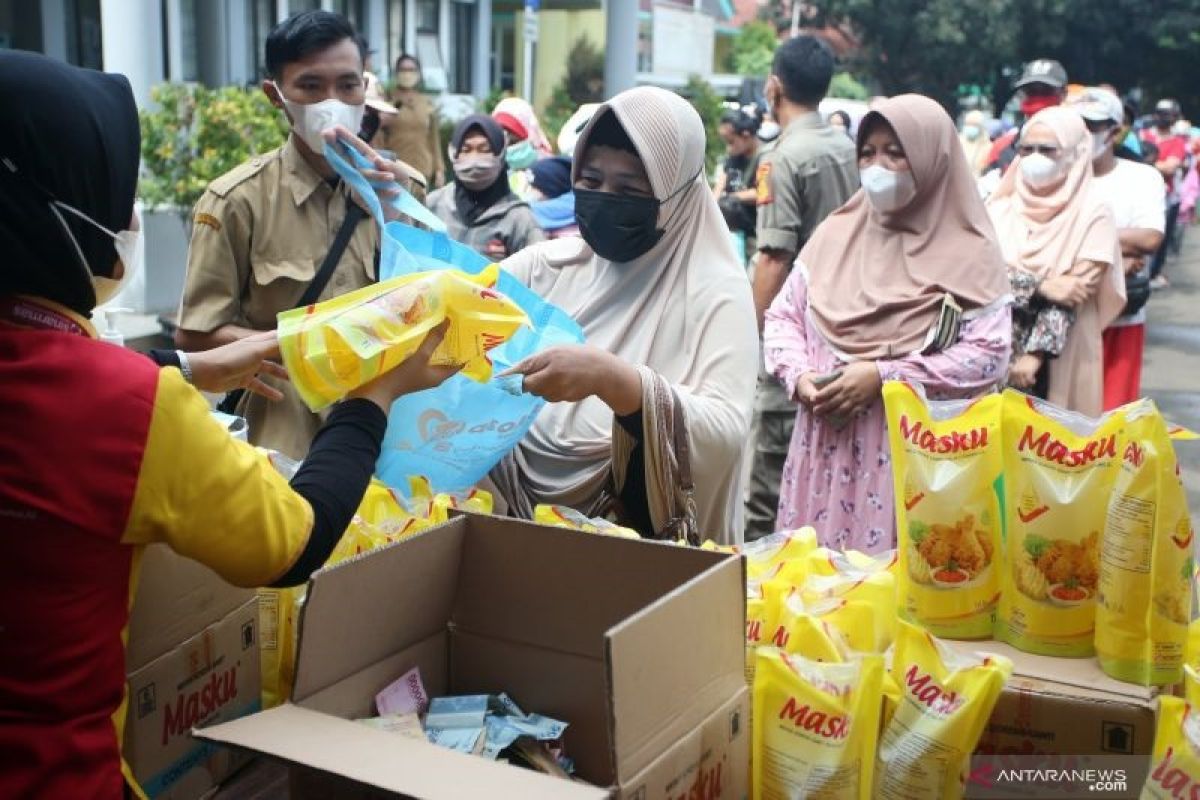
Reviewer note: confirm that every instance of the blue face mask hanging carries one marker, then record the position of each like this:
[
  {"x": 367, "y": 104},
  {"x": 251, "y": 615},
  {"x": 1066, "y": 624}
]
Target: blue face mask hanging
[{"x": 456, "y": 433}]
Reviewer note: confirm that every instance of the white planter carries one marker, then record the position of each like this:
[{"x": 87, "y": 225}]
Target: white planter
[{"x": 166, "y": 237}]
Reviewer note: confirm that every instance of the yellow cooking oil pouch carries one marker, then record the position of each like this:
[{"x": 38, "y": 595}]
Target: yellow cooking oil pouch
[
  {"x": 1145, "y": 593},
  {"x": 826, "y": 630},
  {"x": 874, "y": 589},
  {"x": 563, "y": 517},
  {"x": 768, "y": 553},
  {"x": 1175, "y": 763},
  {"x": 945, "y": 701},
  {"x": 824, "y": 561},
  {"x": 815, "y": 727},
  {"x": 947, "y": 472},
  {"x": 333, "y": 347},
  {"x": 1059, "y": 472}
]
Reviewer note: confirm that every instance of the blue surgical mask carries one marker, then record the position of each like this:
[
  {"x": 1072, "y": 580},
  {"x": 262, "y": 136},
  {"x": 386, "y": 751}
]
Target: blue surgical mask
[{"x": 520, "y": 155}]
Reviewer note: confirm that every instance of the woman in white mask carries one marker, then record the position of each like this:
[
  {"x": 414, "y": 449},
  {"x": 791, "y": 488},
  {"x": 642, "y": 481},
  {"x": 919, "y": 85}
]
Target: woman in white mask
[
  {"x": 1060, "y": 244},
  {"x": 479, "y": 208},
  {"x": 904, "y": 282}
]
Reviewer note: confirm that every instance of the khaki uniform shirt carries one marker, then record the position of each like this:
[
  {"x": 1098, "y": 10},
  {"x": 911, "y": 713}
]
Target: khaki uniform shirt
[
  {"x": 259, "y": 235},
  {"x": 412, "y": 134},
  {"x": 810, "y": 172}
]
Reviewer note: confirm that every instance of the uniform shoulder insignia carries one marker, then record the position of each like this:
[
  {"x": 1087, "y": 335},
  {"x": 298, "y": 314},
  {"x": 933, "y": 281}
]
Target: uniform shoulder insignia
[
  {"x": 241, "y": 173},
  {"x": 762, "y": 184}
]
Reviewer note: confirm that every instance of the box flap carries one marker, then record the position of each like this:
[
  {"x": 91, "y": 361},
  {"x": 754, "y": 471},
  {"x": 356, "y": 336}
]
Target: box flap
[
  {"x": 176, "y": 598},
  {"x": 368, "y": 608},
  {"x": 1080, "y": 676},
  {"x": 675, "y": 662},
  {"x": 561, "y": 594},
  {"x": 385, "y": 760}
]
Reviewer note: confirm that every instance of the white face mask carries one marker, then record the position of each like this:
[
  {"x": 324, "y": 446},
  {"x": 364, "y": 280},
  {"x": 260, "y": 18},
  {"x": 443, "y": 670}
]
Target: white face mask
[
  {"x": 1099, "y": 144},
  {"x": 309, "y": 121},
  {"x": 768, "y": 131},
  {"x": 1039, "y": 171},
  {"x": 971, "y": 132},
  {"x": 886, "y": 189},
  {"x": 127, "y": 244}
]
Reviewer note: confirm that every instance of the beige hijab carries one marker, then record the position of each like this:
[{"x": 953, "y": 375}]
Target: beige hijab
[
  {"x": 877, "y": 282},
  {"x": 1047, "y": 234},
  {"x": 683, "y": 312}
]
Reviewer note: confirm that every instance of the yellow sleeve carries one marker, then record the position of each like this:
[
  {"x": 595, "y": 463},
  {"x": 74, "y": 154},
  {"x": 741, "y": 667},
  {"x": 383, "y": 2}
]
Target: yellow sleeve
[{"x": 211, "y": 497}]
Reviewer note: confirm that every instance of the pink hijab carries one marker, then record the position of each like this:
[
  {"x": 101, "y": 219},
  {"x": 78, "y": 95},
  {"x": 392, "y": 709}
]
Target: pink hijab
[
  {"x": 877, "y": 282},
  {"x": 1048, "y": 234}
]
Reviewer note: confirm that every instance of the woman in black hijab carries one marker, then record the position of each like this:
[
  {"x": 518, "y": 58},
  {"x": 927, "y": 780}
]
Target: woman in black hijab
[
  {"x": 103, "y": 452},
  {"x": 479, "y": 208}
]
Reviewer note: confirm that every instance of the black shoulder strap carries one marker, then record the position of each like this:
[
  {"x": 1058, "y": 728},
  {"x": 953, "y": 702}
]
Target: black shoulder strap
[{"x": 354, "y": 215}]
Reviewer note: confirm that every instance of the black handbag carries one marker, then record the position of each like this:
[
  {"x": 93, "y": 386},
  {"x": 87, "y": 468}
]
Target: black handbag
[{"x": 1137, "y": 293}]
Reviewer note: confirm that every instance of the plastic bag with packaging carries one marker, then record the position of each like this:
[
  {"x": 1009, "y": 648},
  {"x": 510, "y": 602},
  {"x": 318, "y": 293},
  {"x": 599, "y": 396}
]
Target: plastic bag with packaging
[{"x": 454, "y": 434}]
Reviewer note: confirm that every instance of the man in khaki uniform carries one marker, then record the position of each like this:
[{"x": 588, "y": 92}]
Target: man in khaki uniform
[
  {"x": 809, "y": 172},
  {"x": 262, "y": 231}
]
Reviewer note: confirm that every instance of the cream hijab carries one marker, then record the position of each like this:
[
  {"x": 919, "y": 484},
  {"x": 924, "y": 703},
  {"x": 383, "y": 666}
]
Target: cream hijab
[
  {"x": 683, "y": 311},
  {"x": 1047, "y": 233},
  {"x": 877, "y": 282},
  {"x": 977, "y": 149}
]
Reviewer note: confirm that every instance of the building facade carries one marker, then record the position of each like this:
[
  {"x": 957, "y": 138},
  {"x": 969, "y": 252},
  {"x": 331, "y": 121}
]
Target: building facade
[{"x": 220, "y": 42}]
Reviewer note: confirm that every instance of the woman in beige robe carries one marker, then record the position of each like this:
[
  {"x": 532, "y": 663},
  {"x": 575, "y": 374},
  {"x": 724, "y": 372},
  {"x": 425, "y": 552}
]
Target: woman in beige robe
[
  {"x": 1060, "y": 243},
  {"x": 659, "y": 398}
]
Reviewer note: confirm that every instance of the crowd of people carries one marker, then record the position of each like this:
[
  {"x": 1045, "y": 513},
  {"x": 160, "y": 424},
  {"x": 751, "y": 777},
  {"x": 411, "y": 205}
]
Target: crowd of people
[{"x": 716, "y": 393}]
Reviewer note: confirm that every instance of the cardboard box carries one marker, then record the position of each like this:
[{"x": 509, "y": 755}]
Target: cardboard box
[
  {"x": 212, "y": 677},
  {"x": 176, "y": 598},
  {"x": 638, "y": 646},
  {"x": 188, "y": 635},
  {"x": 1065, "y": 706}
]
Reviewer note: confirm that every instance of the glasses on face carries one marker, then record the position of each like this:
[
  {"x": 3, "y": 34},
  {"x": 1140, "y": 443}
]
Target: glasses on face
[{"x": 1048, "y": 150}]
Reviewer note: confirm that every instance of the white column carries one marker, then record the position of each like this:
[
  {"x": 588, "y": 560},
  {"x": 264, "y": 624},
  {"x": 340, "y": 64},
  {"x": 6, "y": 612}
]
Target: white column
[
  {"x": 376, "y": 33},
  {"x": 54, "y": 29},
  {"x": 481, "y": 78},
  {"x": 281, "y": 10},
  {"x": 237, "y": 42},
  {"x": 174, "y": 43},
  {"x": 620, "y": 44},
  {"x": 133, "y": 43}
]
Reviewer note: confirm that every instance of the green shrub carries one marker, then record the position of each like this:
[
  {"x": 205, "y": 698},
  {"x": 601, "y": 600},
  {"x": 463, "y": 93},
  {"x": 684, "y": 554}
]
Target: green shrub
[
  {"x": 195, "y": 134},
  {"x": 710, "y": 107},
  {"x": 583, "y": 83}
]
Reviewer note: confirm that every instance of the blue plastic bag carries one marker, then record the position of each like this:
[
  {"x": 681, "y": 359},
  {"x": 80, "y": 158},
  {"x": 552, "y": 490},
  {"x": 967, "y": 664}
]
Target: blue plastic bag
[{"x": 454, "y": 434}]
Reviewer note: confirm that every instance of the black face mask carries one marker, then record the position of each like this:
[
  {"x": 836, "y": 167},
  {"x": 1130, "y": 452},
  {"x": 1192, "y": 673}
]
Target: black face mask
[{"x": 618, "y": 227}]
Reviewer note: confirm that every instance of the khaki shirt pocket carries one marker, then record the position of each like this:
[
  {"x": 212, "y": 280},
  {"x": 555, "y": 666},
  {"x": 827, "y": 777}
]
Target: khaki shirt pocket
[{"x": 276, "y": 286}]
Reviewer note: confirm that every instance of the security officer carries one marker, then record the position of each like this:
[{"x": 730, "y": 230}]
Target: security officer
[
  {"x": 807, "y": 173},
  {"x": 263, "y": 231}
]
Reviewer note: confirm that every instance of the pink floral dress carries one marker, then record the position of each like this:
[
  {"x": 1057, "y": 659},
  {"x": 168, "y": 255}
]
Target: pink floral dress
[{"x": 840, "y": 482}]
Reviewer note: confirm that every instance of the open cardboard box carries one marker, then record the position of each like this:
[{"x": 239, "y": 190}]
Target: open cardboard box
[{"x": 637, "y": 645}]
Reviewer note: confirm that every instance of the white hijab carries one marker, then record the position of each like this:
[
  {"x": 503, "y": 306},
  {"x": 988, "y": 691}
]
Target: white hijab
[{"x": 683, "y": 310}]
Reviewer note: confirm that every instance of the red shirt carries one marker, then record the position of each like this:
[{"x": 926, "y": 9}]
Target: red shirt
[
  {"x": 102, "y": 452},
  {"x": 1169, "y": 146}
]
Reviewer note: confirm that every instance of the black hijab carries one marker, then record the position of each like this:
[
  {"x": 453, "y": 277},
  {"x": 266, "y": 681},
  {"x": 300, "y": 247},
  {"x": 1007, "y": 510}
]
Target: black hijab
[
  {"x": 72, "y": 135},
  {"x": 471, "y": 205}
]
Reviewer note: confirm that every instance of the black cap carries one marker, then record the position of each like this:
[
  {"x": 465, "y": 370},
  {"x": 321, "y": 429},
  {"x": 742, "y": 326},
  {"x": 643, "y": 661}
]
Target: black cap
[{"x": 1043, "y": 70}]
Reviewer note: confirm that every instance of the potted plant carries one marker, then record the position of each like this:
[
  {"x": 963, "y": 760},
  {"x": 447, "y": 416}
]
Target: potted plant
[{"x": 191, "y": 136}]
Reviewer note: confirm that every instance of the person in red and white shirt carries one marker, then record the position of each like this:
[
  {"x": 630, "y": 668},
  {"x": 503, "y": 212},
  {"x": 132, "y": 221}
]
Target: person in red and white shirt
[
  {"x": 1137, "y": 195},
  {"x": 1171, "y": 164}
]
